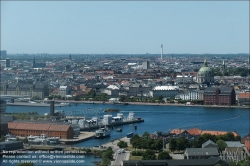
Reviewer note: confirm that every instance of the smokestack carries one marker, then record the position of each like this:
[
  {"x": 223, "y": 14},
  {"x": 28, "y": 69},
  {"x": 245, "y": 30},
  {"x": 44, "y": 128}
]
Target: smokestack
[
  {"x": 161, "y": 51},
  {"x": 52, "y": 108}
]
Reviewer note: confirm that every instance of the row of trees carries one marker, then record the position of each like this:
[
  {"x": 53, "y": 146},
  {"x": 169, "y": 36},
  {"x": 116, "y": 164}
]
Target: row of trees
[
  {"x": 122, "y": 144},
  {"x": 150, "y": 155},
  {"x": 27, "y": 116},
  {"x": 145, "y": 142},
  {"x": 107, "y": 156},
  {"x": 231, "y": 71},
  {"x": 182, "y": 143}
]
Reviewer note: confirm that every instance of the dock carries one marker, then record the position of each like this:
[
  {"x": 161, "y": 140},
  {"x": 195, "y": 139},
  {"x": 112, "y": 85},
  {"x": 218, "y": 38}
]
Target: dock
[
  {"x": 113, "y": 124},
  {"x": 83, "y": 136},
  {"x": 32, "y": 104}
]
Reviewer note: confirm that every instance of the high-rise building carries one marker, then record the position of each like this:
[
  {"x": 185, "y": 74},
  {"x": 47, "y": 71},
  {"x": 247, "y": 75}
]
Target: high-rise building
[
  {"x": 7, "y": 62},
  {"x": 145, "y": 65},
  {"x": 161, "y": 51},
  {"x": 3, "y": 54}
]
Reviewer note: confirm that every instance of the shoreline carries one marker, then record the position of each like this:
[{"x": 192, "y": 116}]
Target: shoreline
[{"x": 151, "y": 104}]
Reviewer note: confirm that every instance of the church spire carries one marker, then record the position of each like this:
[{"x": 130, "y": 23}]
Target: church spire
[{"x": 205, "y": 62}]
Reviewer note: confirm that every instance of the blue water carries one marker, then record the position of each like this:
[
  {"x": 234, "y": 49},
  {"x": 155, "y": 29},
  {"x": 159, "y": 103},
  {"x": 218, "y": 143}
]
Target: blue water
[{"x": 158, "y": 118}]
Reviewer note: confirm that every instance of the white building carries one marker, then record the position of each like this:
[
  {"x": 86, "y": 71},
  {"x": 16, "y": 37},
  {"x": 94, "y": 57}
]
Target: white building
[
  {"x": 63, "y": 91},
  {"x": 165, "y": 91},
  {"x": 112, "y": 90},
  {"x": 190, "y": 95}
]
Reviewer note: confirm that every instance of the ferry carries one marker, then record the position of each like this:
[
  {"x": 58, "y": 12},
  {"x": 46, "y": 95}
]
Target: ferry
[
  {"x": 102, "y": 132},
  {"x": 64, "y": 104}
]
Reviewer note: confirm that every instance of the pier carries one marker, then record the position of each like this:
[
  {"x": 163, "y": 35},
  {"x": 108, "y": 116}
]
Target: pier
[
  {"x": 113, "y": 124},
  {"x": 32, "y": 104},
  {"x": 81, "y": 137}
]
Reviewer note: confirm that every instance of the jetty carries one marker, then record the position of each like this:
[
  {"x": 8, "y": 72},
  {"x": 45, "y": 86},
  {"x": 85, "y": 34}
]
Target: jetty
[
  {"x": 32, "y": 104},
  {"x": 83, "y": 136},
  {"x": 139, "y": 120}
]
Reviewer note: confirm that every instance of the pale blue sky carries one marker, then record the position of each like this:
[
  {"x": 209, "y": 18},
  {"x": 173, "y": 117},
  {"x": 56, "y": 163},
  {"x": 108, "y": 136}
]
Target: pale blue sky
[{"x": 124, "y": 27}]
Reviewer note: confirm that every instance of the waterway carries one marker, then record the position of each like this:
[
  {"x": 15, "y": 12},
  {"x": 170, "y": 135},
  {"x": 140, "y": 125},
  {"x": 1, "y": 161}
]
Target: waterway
[{"x": 157, "y": 118}]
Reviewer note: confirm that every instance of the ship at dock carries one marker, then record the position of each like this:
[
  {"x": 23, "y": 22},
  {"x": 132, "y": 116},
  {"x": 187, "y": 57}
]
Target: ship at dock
[
  {"x": 87, "y": 124},
  {"x": 43, "y": 139},
  {"x": 102, "y": 132}
]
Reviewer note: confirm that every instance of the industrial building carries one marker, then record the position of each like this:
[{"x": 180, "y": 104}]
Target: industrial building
[{"x": 25, "y": 129}]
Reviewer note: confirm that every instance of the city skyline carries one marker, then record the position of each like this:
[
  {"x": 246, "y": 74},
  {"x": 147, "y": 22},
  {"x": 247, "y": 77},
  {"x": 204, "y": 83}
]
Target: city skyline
[{"x": 125, "y": 27}]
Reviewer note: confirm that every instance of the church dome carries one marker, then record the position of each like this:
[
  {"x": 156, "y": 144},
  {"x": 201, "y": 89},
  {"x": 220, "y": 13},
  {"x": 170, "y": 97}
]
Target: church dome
[{"x": 205, "y": 71}]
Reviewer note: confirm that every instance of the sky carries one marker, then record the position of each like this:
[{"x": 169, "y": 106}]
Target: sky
[{"x": 125, "y": 27}]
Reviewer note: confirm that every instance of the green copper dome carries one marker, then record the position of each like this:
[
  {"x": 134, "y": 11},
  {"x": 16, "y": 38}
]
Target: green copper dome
[{"x": 205, "y": 71}]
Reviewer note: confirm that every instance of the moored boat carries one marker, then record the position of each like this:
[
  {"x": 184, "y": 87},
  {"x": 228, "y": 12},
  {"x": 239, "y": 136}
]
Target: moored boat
[
  {"x": 111, "y": 110},
  {"x": 119, "y": 130},
  {"x": 102, "y": 132},
  {"x": 64, "y": 104}
]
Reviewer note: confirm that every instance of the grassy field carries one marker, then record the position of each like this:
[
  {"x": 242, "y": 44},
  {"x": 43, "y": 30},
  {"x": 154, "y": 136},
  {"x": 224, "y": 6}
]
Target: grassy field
[{"x": 135, "y": 157}]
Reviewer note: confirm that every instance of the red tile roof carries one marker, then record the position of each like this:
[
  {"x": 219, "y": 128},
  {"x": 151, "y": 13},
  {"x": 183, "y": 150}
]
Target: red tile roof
[
  {"x": 247, "y": 144},
  {"x": 197, "y": 131},
  {"x": 35, "y": 126},
  {"x": 244, "y": 95},
  {"x": 194, "y": 131},
  {"x": 177, "y": 131}
]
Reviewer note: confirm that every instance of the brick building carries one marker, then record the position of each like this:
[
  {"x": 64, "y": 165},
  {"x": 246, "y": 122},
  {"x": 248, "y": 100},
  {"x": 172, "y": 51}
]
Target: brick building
[
  {"x": 219, "y": 96},
  {"x": 51, "y": 130},
  {"x": 243, "y": 98}
]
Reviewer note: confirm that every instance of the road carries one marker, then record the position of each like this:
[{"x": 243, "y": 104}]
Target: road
[{"x": 120, "y": 157}]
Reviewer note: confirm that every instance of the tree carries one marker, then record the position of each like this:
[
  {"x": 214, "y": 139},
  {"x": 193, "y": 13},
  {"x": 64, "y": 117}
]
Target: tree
[
  {"x": 134, "y": 138},
  {"x": 2, "y": 139},
  {"x": 25, "y": 140},
  {"x": 148, "y": 155},
  {"x": 159, "y": 144},
  {"x": 164, "y": 156},
  {"x": 105, "y": 162},
  {"x": 146, "y": 135},
  {"x": 122, "y": 144},
  {"x": 229, "y": 137},
  {"x": 122, "y": 98},
  {"x": 172, "y": 144},
  {"x": 182, "y": 143},
  {"x": 221, "y": 145},
  {"x": 160, "y": 98},
  {"x": 92, "y": 93}
]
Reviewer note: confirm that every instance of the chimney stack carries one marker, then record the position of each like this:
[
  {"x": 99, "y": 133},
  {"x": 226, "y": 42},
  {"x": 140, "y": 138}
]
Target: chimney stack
[{"x": 52, "y": 108}]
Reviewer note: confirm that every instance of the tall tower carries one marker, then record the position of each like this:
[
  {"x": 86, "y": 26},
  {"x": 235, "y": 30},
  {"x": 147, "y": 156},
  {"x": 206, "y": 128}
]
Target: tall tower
[
  {"x": 34, "y": 62},
  {"x": 161, "y": 51},
  {"x": 7, "y": 62},
  {"x": 70, "y": 57}
]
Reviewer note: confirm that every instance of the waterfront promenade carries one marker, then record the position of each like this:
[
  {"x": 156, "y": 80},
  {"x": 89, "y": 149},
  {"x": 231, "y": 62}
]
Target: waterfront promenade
[{"x": 151, "y": 104}]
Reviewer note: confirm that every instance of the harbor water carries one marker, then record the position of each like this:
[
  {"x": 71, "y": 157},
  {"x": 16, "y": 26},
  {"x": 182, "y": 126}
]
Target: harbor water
[{"x": 157, "y": 118}]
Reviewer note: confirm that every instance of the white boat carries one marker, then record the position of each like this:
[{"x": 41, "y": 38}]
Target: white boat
[
  {"x": 43, "y": 139},
  {"x": 53, "y": 140},
  {"x": 35, "y": 139},
  {"x": 64, "y": 104},
  {"x": 102, "y": 132},
  {"x": 10, "y": 137}
]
